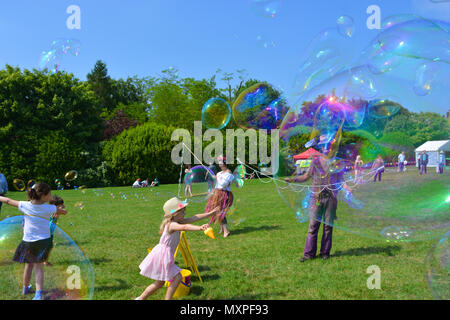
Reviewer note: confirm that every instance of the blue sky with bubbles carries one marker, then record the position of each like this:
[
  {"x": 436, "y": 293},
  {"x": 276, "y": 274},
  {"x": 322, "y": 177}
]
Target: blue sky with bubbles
[{"x": 143, "y": 37}]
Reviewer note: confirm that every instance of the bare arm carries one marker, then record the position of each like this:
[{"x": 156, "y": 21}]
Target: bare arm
[
  {"x": 9, "y": 201},
  {"x": 200, "y": 216},
  {"x": 175, "y": 226},
  {"x": 304, "y": 177}
]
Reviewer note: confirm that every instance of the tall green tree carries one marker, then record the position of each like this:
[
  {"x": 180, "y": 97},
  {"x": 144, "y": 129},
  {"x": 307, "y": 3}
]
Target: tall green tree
[
  {"x": 33, "y": 105},
  {"x": 102, "y": 85}
]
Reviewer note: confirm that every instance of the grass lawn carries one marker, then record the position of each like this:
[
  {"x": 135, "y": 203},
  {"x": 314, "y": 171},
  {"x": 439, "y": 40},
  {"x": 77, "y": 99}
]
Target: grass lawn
[{"x": 259, "y": 260}]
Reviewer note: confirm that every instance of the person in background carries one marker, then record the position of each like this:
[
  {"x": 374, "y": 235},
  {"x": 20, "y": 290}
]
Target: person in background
[
  {"x": 441, "y": 162},
  {"x": 424, "y": 162},
  {"x": 144, "y": 183},
  {"x": 137, "y": 183},
  {"x": 155, "y": 183},
  {"x": 401, "y": 161},
  {"x": 358, "y": 169},
  {"x": 378, "y": 168},
  {"x": 3, "y": 188}
]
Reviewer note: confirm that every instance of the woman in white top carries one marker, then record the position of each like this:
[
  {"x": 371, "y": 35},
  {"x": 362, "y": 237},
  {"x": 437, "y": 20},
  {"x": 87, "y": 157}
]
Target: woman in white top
[
  {"x": 222, "y": 197},
  {"x": 36, "y": 243}
]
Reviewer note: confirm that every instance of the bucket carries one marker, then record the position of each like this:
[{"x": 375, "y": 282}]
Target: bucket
[{"x": 184, "y": 287}]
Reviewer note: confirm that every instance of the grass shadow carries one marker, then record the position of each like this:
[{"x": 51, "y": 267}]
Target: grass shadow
[
  {"x": 93, "y": 261},
  {"x": 388, "y": 251},
  {"x": 120, "y": 286},
  {"x": 197, "y": 290},
  {"x": 252, "y": 229}
]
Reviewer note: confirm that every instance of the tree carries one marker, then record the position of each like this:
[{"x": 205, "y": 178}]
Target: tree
[
  {"x": 102, "y": 85},
  {"x": 178, "y": 102},
  {"x": 35, "y": 105}
]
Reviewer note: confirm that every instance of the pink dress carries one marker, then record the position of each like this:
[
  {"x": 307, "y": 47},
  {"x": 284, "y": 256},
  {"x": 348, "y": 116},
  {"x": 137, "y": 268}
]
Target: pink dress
[{"x": 159, "y": 264}]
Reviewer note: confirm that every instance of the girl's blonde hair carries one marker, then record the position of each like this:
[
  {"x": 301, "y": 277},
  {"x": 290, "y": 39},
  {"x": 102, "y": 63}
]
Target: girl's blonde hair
[
  {"x": 164, "y": 224},
  {"x": 166, "y": 221}
]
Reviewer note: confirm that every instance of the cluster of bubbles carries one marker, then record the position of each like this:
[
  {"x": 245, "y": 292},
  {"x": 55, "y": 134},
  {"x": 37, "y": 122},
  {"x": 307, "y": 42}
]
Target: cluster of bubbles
[
  {"x": 71, "y": 276},
  {"x": 258, "y": 107},
  {"x": 59, "y": 48},
  {"x": 406, "y": 65},
  {"x": 69, "y": 177}
]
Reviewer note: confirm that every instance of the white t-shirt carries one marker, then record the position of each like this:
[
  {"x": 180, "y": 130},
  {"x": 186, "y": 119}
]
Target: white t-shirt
[
  {"x": 36, "y": 217},
  {"x": 136, "y": 184},
  {"x": 224, "y": 180}
]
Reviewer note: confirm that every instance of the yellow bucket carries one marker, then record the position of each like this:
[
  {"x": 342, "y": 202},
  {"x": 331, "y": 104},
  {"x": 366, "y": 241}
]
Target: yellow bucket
[{"x": 184, "y": 287}]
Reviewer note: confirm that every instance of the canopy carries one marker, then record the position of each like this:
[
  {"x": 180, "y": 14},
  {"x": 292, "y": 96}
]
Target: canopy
[
  {"x": 439, "y": 145},
  {"x": 307, "y": 154}
]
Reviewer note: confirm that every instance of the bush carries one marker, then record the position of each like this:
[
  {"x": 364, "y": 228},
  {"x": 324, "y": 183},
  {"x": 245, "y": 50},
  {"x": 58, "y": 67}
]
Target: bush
[{"x": 143, "y": 151}]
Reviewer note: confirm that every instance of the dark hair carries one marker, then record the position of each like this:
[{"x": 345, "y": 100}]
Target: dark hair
[
  {"x": 38, "y": 190},
  {"x": 57, "y": 201}
]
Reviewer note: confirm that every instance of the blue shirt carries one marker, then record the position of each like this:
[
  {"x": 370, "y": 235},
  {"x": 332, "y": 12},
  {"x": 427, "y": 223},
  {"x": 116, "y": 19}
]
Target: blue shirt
[
  {"x": 442, "y": 158},
  {"x": 424, "y": 157},
  {"x": 401, "y": 158}
]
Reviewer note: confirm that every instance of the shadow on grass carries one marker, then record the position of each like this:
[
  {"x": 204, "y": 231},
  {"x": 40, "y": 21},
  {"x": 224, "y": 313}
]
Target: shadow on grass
[
  {"x": 119, "y": 286},
  {"x": 388, "y": 251},
  {"x": 252, "y": 229},
  {"x": 94, "y": 261}
]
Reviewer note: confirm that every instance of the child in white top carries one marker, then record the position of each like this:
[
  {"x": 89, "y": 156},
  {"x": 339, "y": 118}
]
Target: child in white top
[{"x": 35, "y": 245}]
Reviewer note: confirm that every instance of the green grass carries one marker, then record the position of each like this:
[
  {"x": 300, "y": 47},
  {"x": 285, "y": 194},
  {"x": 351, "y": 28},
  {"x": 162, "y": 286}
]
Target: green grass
[{"x": 259, "y": 260}]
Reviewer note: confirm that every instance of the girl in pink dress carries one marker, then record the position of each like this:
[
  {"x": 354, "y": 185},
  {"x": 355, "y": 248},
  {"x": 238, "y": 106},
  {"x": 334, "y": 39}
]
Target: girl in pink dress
[{"x": 160, "y": 262}]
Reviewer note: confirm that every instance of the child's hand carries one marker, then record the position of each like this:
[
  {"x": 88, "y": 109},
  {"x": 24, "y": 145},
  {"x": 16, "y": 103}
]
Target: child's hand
[
  {"x": 55, "y": 216},
  {"x": 204, "y": 227}
]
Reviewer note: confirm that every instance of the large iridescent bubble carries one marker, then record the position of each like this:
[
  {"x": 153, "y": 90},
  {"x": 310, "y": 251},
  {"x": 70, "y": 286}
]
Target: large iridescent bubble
[
  {"x": 199, "y": 183},
  {"x": 70, "y": 276},
  {"x": 259, "y": 107},
  {"x": 346, "y": 110},
  {"x": 437, "y": 266},
  {"x": 216, "y": 113}
]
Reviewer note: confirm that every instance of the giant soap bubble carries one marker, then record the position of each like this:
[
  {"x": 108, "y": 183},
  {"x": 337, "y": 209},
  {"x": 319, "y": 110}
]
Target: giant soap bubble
[
  {"x": 70, "y": 276},
  {"x": 216, "y": 113},
  {"x": 199, "y": 183},
  {"x": 354, "y": 109},
  {"x": 438, "y": 268},
  {"x": 259, "y": 107}
]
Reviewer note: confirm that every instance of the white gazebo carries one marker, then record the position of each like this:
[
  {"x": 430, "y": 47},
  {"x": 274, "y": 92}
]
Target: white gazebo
[{"x": 433, "y": 148}]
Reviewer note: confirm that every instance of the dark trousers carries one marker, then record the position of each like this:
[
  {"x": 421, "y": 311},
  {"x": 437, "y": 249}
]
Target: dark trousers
[
  {"x": 326, "y": 210},
  {"x": 379, "y": 176},
  {"x": 441, "y": 168},
  {"x": 423, "y": 168},
  {"x": 401, "y": 166}
]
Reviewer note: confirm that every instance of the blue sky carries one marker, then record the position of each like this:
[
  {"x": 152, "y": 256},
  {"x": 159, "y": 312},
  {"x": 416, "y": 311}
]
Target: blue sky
[{"x": 143, "y": 37}]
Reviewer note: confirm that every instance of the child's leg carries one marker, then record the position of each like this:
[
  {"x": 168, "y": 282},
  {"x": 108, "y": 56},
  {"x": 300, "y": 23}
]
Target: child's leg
[
  {"x": 39, "y": 273},
  {"x": 151, "y": 289},
  {"x": 27, "y": 272},
  {"x": 173, "y": 286}
]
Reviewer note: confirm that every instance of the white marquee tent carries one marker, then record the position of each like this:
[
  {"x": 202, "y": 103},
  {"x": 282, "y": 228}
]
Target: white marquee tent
[{"x": 433, "y": 148}]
